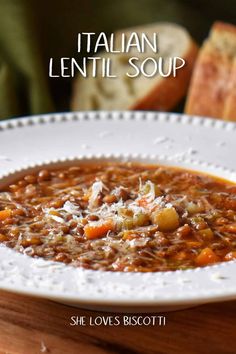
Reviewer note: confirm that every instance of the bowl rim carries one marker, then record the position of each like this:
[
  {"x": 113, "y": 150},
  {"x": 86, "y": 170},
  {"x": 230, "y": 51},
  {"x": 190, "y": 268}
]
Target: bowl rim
[{"x": 182, "y": 282}]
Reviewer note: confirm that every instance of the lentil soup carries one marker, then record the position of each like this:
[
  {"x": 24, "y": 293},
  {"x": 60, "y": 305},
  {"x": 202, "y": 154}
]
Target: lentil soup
[{"x": 121, "y": 217}]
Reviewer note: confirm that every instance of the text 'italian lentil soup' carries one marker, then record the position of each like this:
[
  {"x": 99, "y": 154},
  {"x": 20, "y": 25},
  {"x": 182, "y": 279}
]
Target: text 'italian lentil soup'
[{"x": 121, "y": 217}]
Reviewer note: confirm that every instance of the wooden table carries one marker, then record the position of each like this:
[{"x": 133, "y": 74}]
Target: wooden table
[{"x": 29, "y": 326}]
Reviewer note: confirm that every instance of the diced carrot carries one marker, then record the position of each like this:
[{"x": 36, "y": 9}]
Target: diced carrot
[
  {"x": 98, "y": 229},
  {"x": 229, "y": 228},
  {"x": 54, "y": 212},
  {"x": 3, "y": 238},
  {"x": 4, "y": 214},
  {"x": 142, "y": 202},
  {"x": 230, "y": 256},
  {"x": 193, "y": 244},
  {"x": 86, "y": 197},
  {"x": 206, "y": 256}
]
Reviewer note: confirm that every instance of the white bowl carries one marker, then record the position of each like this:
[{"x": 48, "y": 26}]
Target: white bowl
[{"x": 192, "y": 142}]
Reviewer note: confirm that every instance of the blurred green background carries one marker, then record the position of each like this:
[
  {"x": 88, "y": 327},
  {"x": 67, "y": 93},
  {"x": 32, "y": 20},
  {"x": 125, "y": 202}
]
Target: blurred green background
[{"x": 32, "y": 31}]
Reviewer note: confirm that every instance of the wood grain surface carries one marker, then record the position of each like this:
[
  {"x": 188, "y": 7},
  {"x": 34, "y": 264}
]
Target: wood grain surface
[{"x": 29, "y": 325}]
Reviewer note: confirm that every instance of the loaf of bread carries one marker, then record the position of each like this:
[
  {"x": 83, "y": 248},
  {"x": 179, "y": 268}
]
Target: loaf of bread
[
  {"x": 140, "y": 93},
  {"x": 212, "y": 89}
]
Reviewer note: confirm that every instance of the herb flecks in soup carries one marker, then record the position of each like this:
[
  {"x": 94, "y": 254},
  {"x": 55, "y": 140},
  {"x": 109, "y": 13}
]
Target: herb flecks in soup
[{"x": 121, "y": 217}]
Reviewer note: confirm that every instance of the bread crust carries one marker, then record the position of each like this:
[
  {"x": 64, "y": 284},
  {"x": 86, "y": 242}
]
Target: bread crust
[
  {"x": 230, "y": 104},
  {"x": 223, "y": 27},
  {"x": 171, "y": 90},
  {"x": 212, "y": 90},
  {"x": 208, "y": 88}
]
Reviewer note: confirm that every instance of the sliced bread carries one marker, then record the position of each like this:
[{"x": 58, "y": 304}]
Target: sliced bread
[
  {"x": 140, "y": 93},
  {"x": 230, "y": 103},
  {"x": 212, "y": 90}
]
